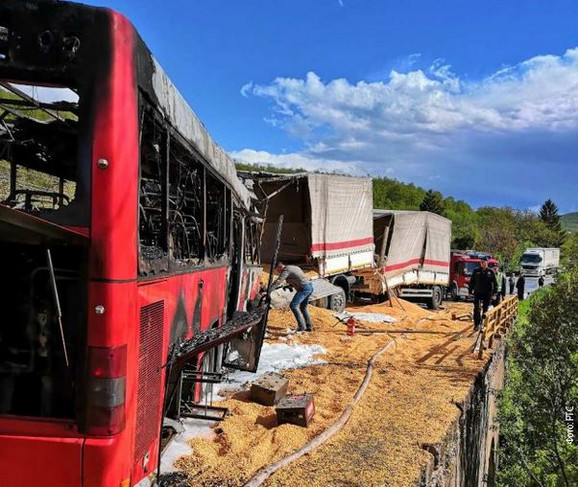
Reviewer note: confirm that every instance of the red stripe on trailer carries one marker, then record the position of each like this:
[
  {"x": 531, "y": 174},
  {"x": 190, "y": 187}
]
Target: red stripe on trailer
[
  {"x": 341, "y": 245},
  {"x": 401, "y": 265}
]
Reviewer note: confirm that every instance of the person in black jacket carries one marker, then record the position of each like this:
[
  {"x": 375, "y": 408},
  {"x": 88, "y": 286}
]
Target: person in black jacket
[
  {"x": 520, "y": 285},
  {"x": 512, "y": 283},
  {"x": 541, "y": 281},
  {"x": 482, "y": 285}
]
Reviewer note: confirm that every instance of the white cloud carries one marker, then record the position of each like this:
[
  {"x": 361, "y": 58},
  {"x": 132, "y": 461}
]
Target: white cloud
[
  {"x": 246, "y": 89},
  {"x": 296, "y": 160},
  {"x": 541, "y": 92},
  {"x": 423, "y": 122}
]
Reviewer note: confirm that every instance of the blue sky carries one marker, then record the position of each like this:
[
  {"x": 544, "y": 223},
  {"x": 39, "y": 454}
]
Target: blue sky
[{"x": 476, "y": 99}]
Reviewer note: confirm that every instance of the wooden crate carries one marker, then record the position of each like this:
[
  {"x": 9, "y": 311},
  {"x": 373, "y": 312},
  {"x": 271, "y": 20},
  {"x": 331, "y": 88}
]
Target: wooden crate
[
  {"x": 297, "y": 410},
  {"x": 269, "y": 389}
]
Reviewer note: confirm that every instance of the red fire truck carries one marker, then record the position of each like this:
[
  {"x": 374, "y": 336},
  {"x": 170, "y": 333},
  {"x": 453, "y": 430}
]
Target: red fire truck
[
  {"x": 463, "y": 263},
  {"x": 129, "y": 250}
]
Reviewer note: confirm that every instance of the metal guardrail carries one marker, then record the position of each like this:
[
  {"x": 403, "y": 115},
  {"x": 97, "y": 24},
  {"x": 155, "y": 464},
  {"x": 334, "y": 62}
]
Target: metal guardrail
[{"x": 496, "y": 323}]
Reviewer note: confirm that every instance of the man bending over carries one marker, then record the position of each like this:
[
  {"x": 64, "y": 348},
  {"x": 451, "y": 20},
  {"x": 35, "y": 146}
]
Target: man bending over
[{"x": 296, "y": 278}]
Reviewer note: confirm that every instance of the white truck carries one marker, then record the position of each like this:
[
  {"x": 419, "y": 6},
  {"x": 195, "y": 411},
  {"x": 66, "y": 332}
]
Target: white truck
[
  {"x": 413, "y": 257},
  {"x": 327, "y": 227},
  {"x": 539, "y": 261}
]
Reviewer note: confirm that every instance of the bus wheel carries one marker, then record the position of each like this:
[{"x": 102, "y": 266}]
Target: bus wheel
[
  {"x": 337, "y": 301},
  {"x": 454, "y": 293},
  {"x": 436, "y": 298}
]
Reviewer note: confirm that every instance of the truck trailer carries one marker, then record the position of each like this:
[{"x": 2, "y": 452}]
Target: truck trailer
[
  {"x": 539, "y": 261},
  {"x": 412, "y": 257},
  {"x": 327, "y": 227}
]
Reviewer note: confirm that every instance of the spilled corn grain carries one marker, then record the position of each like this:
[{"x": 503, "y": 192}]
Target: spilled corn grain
[{"x": 410, "y": 401}]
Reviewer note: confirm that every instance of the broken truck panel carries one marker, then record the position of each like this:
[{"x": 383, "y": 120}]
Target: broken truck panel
[
  {"x": 328, "y": 219},
  {"x": 410, "y": 240},
  {"x": 322, "y": 288}
]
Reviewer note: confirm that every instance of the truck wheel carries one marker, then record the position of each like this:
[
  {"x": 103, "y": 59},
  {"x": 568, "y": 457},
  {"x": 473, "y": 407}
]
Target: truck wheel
[
  {"x": 337, "y": 301},
  {"x": 436, "y": 298},
  {"x": 454, "y": 293}
]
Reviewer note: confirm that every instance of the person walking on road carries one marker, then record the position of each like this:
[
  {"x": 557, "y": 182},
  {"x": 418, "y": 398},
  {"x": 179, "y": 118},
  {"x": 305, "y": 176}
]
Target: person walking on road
[
  {"x": 520, "y": 287},
  {"x": 295, "y": 277},
  {"x": 512, "y": 283},
  {"x": 482, "y": 285},
  {"x": 541, "y": 281}
]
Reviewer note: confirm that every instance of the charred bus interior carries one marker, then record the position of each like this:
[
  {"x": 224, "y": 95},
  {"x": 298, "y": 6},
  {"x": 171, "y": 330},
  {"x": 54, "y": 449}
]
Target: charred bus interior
[
  {"x": 42, "y": 251},
  {"x": 184, "y": 210}
]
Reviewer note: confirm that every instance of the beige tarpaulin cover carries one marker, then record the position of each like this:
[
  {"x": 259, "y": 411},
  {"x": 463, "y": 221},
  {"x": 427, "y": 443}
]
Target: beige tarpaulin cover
[
  {"x": 325, "y": 215},
  {"x": 438, "y": 243},
  {"x": 341, "y": 214},
  {"x": 413, "y": 240}
]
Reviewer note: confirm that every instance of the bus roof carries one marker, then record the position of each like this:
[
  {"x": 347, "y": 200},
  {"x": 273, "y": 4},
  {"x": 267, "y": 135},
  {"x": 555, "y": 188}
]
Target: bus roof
[{"x": 182, "y": 117}]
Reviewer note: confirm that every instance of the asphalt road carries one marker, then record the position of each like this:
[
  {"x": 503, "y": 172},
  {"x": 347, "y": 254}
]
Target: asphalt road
[{"x": 532, "y": 283}]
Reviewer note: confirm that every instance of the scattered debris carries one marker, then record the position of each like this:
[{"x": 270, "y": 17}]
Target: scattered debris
[
  {"x": 269, "y": 389},
  {"x": 369, "y": 317},
  {"x": 297, "y": 410}
]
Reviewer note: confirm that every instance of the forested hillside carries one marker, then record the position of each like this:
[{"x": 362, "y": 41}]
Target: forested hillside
[{"x": 570, "y": 221}]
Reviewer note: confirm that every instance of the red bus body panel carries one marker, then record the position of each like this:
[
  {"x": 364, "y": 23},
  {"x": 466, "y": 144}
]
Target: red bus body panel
[
  {"x": 116, "y": 139},
  {"x": 45, "y": 461}
]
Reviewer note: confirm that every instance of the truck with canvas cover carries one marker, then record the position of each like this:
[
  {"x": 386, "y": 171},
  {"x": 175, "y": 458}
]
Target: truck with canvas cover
[
  {"x": 413, "y": 257},
  {"x": 327, "y": 227}
]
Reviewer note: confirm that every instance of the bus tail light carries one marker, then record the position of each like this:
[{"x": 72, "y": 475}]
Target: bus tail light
[{"x": 106, "y": 390}]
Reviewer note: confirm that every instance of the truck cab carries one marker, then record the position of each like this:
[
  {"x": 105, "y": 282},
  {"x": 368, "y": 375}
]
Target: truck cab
[{"x": 462, "y": 265}]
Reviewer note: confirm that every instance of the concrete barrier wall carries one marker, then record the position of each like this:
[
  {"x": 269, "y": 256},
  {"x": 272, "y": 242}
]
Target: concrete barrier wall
[{"x": 467, "y": 456}]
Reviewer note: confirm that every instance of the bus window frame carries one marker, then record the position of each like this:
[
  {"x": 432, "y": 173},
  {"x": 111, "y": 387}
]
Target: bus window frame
[{"x": 171, "y": 134}]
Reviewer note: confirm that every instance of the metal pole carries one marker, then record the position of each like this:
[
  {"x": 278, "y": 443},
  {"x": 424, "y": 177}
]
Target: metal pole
[{"x": 57, "y": 303}]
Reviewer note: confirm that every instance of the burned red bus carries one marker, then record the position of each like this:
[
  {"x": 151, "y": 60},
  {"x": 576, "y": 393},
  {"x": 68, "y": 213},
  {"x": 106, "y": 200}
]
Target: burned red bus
[{"x": 128, "y": 247}]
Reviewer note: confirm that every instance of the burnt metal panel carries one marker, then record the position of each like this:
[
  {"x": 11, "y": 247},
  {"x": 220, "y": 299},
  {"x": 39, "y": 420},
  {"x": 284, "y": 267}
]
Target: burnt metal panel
[
  {"x": 197, "y": 313},
  {"x": 17, "y": 226},
  {"x": 179, "y": 326}
]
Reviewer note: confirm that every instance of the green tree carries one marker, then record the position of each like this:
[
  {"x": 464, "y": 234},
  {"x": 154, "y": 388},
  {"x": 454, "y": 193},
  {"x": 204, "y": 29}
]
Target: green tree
[
  {"x": 245, "y": 166},
  {"x": 570, "y": 251},
  {"x": 433, "y": 202},
  {"x": 465, "y": 227},
  {"x": 549, "y": 215},
  {"x": 541, "y": 386},
  {"x": 498, "y": 234}
]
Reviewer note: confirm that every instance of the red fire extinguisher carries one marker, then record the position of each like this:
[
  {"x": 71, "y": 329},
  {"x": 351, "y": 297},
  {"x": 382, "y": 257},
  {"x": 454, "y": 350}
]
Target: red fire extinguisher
[{"x": 350, "y": 326}]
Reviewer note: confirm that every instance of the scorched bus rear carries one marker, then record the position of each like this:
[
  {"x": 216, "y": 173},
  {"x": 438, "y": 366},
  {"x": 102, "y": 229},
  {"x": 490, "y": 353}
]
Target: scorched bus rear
[{"x": 128, "y": 246}]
